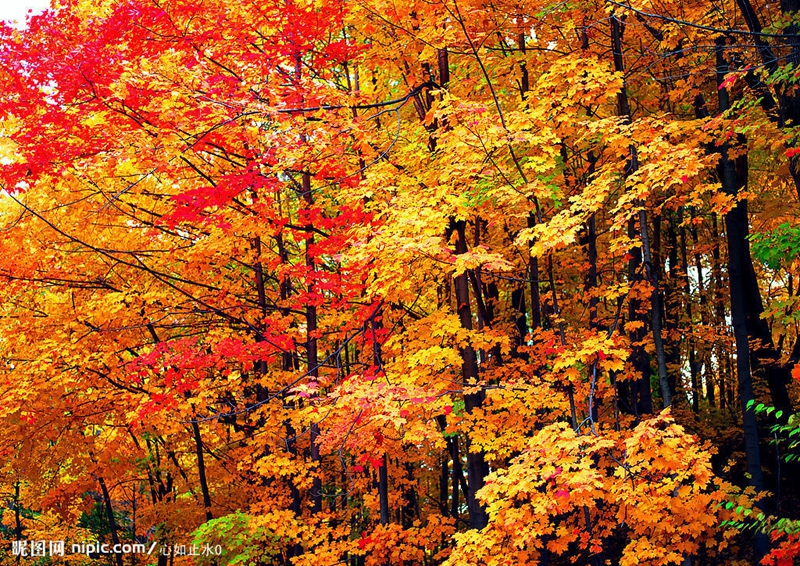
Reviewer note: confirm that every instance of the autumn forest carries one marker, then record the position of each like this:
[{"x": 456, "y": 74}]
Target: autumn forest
[{"x": 419, "y": 282}]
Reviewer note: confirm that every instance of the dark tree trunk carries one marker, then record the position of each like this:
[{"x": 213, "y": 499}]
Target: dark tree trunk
[
  {"x": 641, "y": 402},
  {"x": 590, "y": 282},
  {"x": 671, "y": 302},
  {"x": 312, "y": 360},
  {"x": 477, "y": 469},
  {"x": 702, "y": 291},
  {"x": 694, "y": 366},
  {"x": 623, "y": 110},
  {"x": 201, "y": 470},
  {"x": 719, "y": 310},
  {"x": 533, "y": 275},
  {"x": 738, "y": 259},
  {"x": 383, "y": 490},
  {"x": 112, "y": 522}
]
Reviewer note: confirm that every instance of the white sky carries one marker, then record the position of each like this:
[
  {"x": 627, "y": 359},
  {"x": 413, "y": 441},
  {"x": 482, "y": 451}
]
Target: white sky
[{"x": 16, "y": 9}]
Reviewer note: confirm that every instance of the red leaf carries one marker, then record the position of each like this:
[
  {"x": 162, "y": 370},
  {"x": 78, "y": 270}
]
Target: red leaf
[
  {"x": 729, "y": 80},
  {"x": 555, "y": 473},
  {"x": 364, "y": 540}
]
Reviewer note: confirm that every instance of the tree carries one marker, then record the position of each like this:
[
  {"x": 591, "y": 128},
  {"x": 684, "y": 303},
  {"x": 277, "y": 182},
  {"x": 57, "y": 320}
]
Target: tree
[{"x": 380, "y": 284}]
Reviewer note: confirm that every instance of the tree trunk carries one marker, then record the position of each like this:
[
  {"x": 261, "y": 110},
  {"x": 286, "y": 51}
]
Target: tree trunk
[
  {"x": 719, "y": 310},
  {"x": 672, "y": 316},
  {"x": 738, "y": 258},
  {"x": 641, "y": 402},
  {"x": 694, "y": 369},
  {"x": 112, "y": 523},
  {"x": 312, "y": 360},
  {"x": 477, "y": 469},
  {"x": 701, "y": 287},
  {"x": 383, "y": 490},
  {"x": 623, "y": 109},
  {"x": 201, "y": 470}
]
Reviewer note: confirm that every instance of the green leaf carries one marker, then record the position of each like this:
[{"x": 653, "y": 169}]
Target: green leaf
[{"x": 776, "y": 247}]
